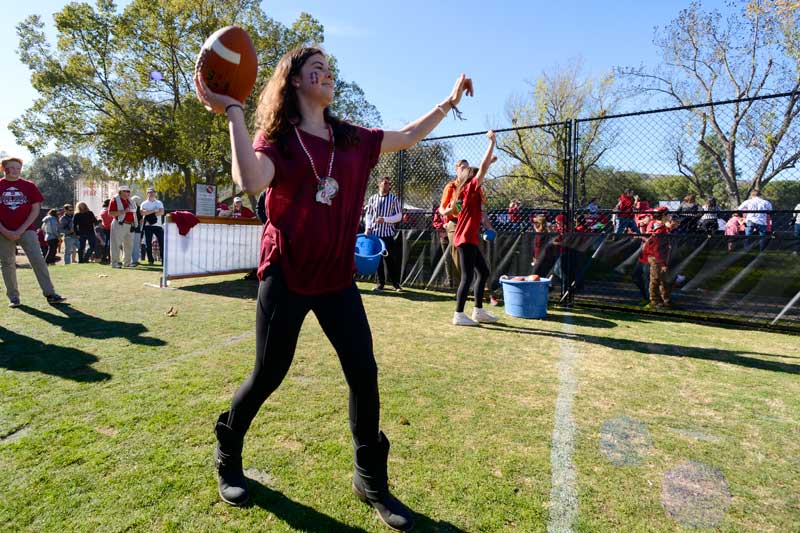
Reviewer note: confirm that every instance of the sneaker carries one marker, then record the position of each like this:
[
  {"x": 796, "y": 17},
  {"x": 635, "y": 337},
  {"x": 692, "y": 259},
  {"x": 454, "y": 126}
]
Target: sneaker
[
  {"x": 493, "y": 301},
  {"x": 14, "y": 302},
  {"x": 479, "y": 315},
  {"x": 377, "y": 288},
  {"x": 460, "y": 319},
  {"x": 55, "y": 299},
  {"x": 398, "y": 288}
]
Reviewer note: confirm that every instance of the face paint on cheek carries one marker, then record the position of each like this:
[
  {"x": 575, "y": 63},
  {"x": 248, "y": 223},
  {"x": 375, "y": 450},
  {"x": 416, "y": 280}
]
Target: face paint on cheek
[{"x": 314, "y": 78}]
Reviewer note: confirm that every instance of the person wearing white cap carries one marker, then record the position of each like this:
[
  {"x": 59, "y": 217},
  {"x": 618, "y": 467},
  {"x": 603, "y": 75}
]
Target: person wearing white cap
[
  {"x": 240, "y": 211},
  {"x": 123, "y": 210},
  {"x": 152, "y": 211}
]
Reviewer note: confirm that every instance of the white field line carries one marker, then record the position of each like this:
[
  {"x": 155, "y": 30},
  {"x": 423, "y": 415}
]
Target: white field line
[{"x": 564, "y": 489}]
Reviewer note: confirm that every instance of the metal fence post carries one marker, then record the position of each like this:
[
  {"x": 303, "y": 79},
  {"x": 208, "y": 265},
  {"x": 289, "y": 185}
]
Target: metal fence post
[{"x": 401, "y": 177}]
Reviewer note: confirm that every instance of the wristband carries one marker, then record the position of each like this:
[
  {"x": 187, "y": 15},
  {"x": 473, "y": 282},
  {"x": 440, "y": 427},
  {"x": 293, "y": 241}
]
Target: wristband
[{"x": 233, "y": 105}]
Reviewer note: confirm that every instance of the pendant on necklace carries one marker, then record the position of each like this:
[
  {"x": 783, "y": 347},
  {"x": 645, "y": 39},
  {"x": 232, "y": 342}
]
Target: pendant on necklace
[{"x": 326, "y": 190}]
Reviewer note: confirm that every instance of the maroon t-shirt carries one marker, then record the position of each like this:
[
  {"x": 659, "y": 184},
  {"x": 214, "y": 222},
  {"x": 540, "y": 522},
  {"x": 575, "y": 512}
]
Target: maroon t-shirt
[
  {"x": 469, "y": 220},
  {"x": 16, "y": 201},
  {"x": 314, "y": 243}
]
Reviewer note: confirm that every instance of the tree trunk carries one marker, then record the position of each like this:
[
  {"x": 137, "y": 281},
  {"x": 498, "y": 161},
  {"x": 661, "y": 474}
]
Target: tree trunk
[{"x": 188, "y": 192}]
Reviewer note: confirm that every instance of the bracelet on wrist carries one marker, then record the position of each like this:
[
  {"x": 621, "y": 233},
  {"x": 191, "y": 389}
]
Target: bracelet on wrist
[{"x": 233, "y": 105}]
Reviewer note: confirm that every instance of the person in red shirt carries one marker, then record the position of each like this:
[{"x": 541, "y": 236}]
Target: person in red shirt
[
  {"x": 315, "y": 168},
  {"x": 105, "y": 224},
  {"x": 641, "y": 209},
  {"x": 122, "y": 211},
  {"x": 20, "y": 202},
  {"x": 450, "y": 220},
  {"x": 624, "y": 209},
  {"x": 514, "y": 215},
  {"x": 240, "y": 211},
  {"x": 656, "y": 250},
  {"x": 467, "y": 203}
]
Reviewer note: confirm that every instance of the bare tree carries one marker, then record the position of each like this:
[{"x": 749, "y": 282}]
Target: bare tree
[{"x": 707, "y": 58}]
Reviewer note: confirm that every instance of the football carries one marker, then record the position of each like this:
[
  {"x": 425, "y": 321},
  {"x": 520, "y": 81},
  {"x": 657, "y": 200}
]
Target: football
[{"x": 228, "y": 62}]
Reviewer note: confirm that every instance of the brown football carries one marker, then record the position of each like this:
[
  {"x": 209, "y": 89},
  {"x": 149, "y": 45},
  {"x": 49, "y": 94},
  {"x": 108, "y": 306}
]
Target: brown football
[{"x": 228, "y": 62}]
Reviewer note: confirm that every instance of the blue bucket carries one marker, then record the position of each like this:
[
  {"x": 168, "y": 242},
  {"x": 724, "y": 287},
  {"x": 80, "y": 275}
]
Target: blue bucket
[
  {"x": 526, "y": 299},
  {"x": 489, "y": 234},
  {"x": 369, "y": 250}
]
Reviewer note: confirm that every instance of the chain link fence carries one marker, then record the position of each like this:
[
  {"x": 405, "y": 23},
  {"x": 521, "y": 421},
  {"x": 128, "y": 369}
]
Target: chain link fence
[{"x": 557, "y": 198}]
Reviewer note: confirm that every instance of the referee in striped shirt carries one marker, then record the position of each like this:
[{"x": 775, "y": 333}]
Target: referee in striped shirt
[{"x": 383, "y": 212}]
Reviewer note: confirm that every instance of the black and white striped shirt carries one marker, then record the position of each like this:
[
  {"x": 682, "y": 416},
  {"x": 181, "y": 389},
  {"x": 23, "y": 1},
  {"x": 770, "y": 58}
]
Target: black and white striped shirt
[{"x": 387, "y": 207}]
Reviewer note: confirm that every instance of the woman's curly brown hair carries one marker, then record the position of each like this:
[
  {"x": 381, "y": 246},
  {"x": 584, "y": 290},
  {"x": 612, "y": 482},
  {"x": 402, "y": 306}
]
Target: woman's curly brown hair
[{"x": 278, "y": 111}]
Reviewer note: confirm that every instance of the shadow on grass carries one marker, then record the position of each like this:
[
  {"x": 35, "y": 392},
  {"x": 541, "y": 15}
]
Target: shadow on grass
[
  {"x": 657, "y": 348},
  {"x": 82, "y": 325},
  {"x": 585, "y": 320},
  {"x": 304, "y": 518},
  {"x": 20, "y": 353},
  {"x": 235, "y": 288},
  {"x": 410, "y": 294}
]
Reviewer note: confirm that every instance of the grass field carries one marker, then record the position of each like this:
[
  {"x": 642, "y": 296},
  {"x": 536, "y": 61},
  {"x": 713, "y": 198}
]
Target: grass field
[{"x": 107, "y": 407}]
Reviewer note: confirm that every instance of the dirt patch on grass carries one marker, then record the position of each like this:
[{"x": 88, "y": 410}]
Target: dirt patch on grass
[
  {"x": 625, "y": 441},
  {"x": 695, "y": 494}
]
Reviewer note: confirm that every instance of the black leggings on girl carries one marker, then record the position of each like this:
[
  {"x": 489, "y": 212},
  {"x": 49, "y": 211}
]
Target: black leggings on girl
[
  {"x": 279, "y": 316},
  {"x": 471, "y": 259}
]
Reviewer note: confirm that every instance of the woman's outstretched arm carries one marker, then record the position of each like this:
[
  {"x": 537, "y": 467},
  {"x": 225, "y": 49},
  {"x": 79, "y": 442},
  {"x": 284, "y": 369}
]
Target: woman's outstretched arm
[
  {"x": 414, "y": 132},
  {"x": 488, "y": 158}
]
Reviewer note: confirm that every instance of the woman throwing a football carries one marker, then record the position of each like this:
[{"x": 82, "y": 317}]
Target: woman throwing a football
[{"x": 315, "y": 169}]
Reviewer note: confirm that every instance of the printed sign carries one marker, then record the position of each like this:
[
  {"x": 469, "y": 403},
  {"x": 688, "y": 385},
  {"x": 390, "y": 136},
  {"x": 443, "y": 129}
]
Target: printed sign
[{"x": 205, "y": 199}]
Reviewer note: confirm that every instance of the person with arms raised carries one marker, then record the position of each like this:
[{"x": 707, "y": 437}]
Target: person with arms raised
[{"x": 315, "y": 168}]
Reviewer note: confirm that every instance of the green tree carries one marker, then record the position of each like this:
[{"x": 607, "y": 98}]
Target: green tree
[
  {"x": 606, "y": 184},
  {"x": 783, "y": 194},
  {"x": 538, "y": 154},
  {"x": 56, "y": 174},
  {"x": 708, "y": 57},
  {"x": 120, "y": 85},
  {"x": 425, "y": 171}
]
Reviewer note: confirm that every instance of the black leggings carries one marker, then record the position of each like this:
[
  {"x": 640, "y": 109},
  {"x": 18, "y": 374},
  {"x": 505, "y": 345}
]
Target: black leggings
[
  {"x": 471, "y": 259},
  {"x": 279, "y": 316},
  {"x": 391, "y": 261}
]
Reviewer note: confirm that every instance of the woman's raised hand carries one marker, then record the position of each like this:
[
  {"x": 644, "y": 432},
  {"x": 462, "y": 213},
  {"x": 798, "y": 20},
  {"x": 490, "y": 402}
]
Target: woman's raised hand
[
  {"x": 214, "y": 102},
  {"x": 491, "y": 136},
  {"x": 463, "y": 84}
]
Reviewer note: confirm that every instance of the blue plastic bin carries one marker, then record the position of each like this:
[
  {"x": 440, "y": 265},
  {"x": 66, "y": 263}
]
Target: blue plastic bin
[
  {"x": 369, "y": 250},
  {"x": 526, "y": 299}
]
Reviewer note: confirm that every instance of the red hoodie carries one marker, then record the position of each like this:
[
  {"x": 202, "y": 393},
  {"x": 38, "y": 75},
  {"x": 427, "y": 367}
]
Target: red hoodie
[{"x": 656, "y": 245}]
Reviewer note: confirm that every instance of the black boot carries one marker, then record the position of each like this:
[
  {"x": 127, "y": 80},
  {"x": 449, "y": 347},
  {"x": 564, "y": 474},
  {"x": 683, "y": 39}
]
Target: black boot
[
  {"x": 371, "y": 485},
  {"x": 228, "y": 463}
]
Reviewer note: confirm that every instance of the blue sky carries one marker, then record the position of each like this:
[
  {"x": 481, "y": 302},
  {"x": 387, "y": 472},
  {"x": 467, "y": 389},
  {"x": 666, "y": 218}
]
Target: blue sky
[{"x": 407, "y": 55}]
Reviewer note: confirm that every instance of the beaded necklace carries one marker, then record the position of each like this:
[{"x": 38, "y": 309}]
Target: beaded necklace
[{"x": 327, "y": 187}]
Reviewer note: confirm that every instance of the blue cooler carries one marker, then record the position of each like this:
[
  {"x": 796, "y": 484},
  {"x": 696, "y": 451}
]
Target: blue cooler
[
  {"x": 369, "y": 250},
  {"x": 526, "y": 299}
]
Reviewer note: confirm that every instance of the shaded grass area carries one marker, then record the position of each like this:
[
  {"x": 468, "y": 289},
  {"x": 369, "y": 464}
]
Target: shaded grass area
[{"x": 107, "y": 408}]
